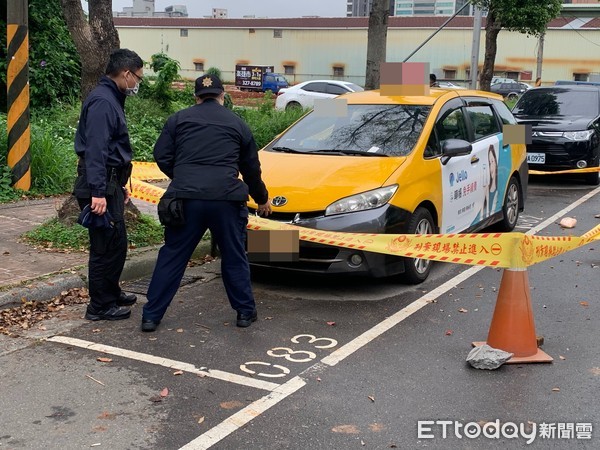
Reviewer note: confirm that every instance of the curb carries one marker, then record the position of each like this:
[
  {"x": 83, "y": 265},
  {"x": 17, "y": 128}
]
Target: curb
[{"x": 139, "y": 264}]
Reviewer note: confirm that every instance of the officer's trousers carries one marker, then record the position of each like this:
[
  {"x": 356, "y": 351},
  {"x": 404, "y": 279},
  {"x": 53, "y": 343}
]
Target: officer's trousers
[
  {"x": 108, "y": 251},
  {"x": 227, "y": 223}
]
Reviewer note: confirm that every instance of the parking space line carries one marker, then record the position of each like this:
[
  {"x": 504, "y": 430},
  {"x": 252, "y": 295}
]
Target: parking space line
[
  {"x": 383, "y": 326},
  {"x": 245, "y": 415},
  {"x": 255, "y": 409},
  {"x": 165, "y": 362}
]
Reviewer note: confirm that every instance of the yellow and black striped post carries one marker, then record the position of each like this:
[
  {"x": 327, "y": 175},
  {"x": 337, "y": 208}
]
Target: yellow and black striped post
[{"x": 19, "y": 136}]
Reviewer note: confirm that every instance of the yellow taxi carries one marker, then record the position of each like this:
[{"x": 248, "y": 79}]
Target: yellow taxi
[{"x": 395, "y": 164}]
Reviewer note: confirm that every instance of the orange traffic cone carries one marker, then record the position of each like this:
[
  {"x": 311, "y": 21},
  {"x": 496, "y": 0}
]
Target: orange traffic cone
[{"x": 512, "y": 328}]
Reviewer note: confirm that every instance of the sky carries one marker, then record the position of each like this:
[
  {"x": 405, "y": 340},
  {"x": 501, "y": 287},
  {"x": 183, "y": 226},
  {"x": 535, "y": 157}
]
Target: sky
[{"x": 259, "y": 8}]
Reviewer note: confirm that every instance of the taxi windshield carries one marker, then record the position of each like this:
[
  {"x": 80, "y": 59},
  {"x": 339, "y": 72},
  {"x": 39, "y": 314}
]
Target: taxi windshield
[{"x": 372, "y": 130}]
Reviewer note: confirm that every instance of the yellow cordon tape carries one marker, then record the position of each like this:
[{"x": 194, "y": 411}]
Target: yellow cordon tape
[
  {"x": 506, "y": 250},
  {"x": 559, "y": 172}
]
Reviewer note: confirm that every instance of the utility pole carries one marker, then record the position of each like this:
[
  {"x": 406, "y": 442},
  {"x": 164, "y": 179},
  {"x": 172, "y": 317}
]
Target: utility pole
[
  {"x": 540, "y": 56},
  {"x": 475, "y": 47},
  {"x": 17, "y": 82}
]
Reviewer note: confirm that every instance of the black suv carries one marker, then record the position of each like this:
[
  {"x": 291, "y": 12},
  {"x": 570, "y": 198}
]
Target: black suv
[{"x": 565, "y": 123}]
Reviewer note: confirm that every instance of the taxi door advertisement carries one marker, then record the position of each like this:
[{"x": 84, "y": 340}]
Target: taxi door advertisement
[{"x": 474, "y": 185}]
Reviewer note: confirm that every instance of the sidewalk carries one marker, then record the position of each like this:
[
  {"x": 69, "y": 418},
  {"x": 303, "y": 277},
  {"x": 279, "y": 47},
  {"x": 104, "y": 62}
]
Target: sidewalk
[{"x": 37, "y": 274}]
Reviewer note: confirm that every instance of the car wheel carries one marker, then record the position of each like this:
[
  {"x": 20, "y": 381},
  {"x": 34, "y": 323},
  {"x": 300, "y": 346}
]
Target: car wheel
[
  {"x": 511, "y": 207},
  {"x": 293, "y": 105},
  {"x": 512, "y": 96},
  {"x": 417, "y": 270}
]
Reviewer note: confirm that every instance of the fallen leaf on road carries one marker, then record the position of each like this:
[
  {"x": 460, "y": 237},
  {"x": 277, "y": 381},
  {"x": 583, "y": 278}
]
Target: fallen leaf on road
[
  {"x": 200, "y": 420},
  {"x": 595, "y": 371},
  {"x": 568, "y": 222},
  {"x": 376, "y": 427},
  {"x": 6, "y": 253},
  {"x": 96, "y": 330},
  {"x": 463, "y": 310},
  {"x": 97, "y": 444},
  {"x": 268, "y": 318},
  {"x": 597, "y": 216},
  {"x": 318, "y": 379},
  {"x": 231, "y": 405},
  {"x": 179, "y": 372},
  {"x": 345, "y": 429},
  {"x": 180, "y": 330},
  {"x": 584, "y": 303},
  {"x": 107, "y": 416},
  {"x": 331, "y": 324},
  {"x": 103, "y": 359},
  {"x": 555, "y": 389},
  {"x": 561, "y": 357},
  {"x": 164, "y": 392},
  {"x": 362, "y": 443},
  {"x": 371, "y": 398},
  {"x": 449, "y": 332}
]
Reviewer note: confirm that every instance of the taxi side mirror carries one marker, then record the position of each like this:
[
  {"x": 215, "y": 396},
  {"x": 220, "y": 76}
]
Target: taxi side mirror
[{"x": 454, "y": 147}]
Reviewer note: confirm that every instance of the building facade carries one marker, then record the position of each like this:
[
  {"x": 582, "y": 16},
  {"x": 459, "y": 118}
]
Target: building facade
[
  {"x": 362, "y": 8},
  {"x": 145, "y": 8},
  {"x": 430, "y": 7},
  {"x": 312, "y": 48}
]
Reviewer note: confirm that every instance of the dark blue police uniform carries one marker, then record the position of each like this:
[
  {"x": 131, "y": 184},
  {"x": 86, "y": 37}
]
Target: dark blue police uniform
[
  {"x": 102, "y": 144},
  {"x": 203, "y": 149}
]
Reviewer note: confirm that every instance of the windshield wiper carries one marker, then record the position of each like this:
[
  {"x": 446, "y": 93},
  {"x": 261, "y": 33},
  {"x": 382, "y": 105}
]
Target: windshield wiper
[
  {"x": 287, "y": 150},
  {"x": 349, "y": 152}
]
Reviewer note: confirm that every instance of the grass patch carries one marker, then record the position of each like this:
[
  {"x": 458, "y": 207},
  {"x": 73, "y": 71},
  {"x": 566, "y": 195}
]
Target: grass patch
[{"x": 53, "y": 235}]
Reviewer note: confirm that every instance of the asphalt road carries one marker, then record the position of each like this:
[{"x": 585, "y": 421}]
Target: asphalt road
[{"x": 331, "y": 363}]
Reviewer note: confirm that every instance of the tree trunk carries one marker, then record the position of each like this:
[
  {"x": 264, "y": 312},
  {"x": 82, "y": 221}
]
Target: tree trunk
[
  {"x": 376, "y": 41},
  {"x": 95, "y": 40},
  {"x": 492, "y": 28}
]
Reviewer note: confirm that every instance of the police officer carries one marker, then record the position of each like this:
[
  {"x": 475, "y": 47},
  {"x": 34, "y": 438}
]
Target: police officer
[
  {"x": 203, "y": 149},
  {"x": 102, "y": 144}
]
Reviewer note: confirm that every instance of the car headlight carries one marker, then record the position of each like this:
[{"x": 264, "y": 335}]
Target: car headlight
[
  {"x": 578, "y": 135},
  {"x": 363, "y": 201}
]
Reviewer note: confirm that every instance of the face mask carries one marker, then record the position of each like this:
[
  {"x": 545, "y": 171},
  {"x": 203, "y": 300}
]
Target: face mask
[{"x": 132, "y": 91}]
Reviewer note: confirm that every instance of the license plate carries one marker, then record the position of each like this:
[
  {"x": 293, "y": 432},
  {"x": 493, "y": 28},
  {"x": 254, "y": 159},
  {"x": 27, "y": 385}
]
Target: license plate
[{"x": 536, "y": 158}]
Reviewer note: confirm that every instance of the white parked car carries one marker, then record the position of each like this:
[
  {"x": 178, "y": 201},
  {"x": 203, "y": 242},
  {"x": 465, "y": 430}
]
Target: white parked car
[
  {"x": 303, "y": 95},
  {"x": 449, "y": 85}
]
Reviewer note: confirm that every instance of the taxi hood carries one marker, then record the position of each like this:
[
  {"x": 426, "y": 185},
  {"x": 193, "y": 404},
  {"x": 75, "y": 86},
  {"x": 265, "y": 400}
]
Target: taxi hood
[{"x": 313, "y": 182}]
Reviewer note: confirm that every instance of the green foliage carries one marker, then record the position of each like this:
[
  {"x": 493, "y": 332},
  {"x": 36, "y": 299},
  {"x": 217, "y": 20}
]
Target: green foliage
[
  {"x": 144, "y": 232},
  {"x": 525, "y": 16},
  {"x": 145, "y": 120},
  {"x": 213, "y": 71},
  {"x": 53, "y": 234},
  {"x": 161, "y": 89},
  {"x": 54, "y": 65},
  {"x": 265, "y": 122}
]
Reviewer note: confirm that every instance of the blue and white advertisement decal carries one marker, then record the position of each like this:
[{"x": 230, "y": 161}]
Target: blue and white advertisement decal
[{"x": 474, "y": 185}]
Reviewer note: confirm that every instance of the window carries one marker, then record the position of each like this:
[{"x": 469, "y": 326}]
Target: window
[
  {"x": 289, "y": 70},
  {"x": 199, "y": 67},
  {"x": 277, "y": 33},
  {"x": 580, "y": 76},
  {"x": 391, "y": 130},
  {"x": 336, "y": 89},
  {"x": 251, "y": 31},
  {"x": 452, "y": 126},
  {"x": 483, "y": 120},
  {"x": 315, "y": 87},
  {"x": 338, "y": 71},
  {"x": 183, "y": 32},
  {"x": 449, "y": 74},
  {"x": 505, "y": 115}
]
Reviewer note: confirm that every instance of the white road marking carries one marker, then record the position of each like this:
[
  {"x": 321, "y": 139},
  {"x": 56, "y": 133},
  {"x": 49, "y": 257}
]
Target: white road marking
[
  {"x": 241, "y": 418},
  {"x": 245, "y": 415},
  {"x": 170, "y": 363}
]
